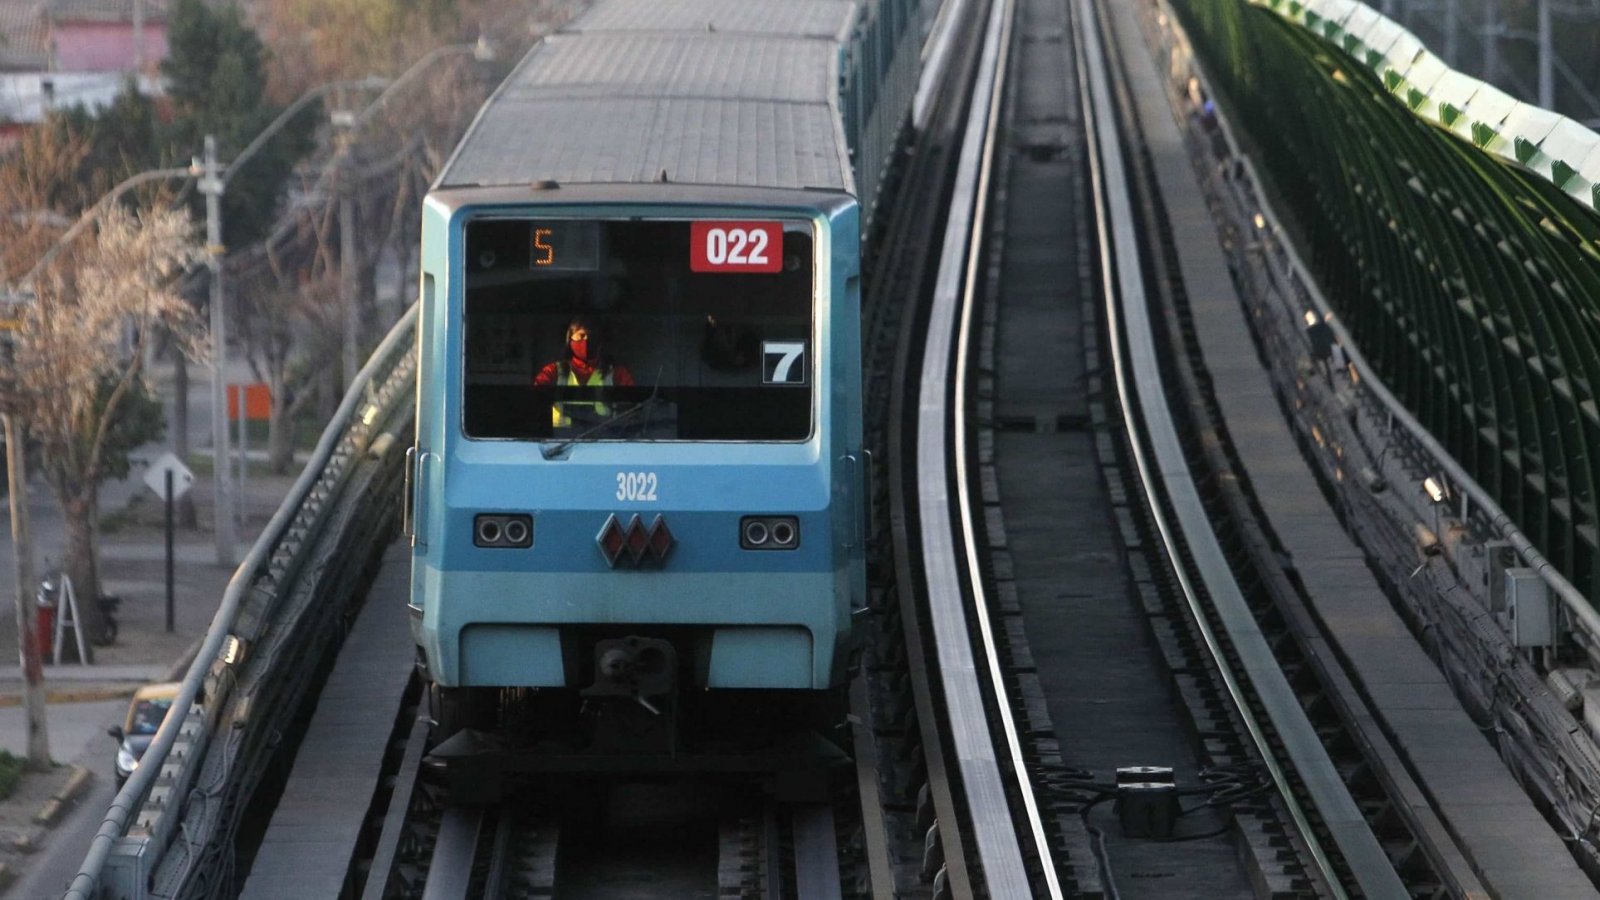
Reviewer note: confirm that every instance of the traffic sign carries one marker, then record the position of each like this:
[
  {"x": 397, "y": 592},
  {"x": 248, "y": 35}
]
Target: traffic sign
[{"x": 156, "y": 476}]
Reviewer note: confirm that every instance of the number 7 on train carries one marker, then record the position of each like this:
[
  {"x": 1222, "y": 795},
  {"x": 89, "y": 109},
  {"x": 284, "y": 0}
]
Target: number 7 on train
[{"x": 783, "y": 362}]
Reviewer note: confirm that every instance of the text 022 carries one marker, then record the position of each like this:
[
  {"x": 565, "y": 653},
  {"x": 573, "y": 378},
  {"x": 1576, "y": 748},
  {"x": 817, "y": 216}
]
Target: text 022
[{"x": 735, "y": 247}]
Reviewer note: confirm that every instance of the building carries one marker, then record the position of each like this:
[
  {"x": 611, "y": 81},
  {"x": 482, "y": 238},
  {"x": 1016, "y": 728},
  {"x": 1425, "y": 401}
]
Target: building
[
  {"x": 107, "y": 35},
  {"x": 56, "y": 53},
  {"x": 24, "y": 36}
]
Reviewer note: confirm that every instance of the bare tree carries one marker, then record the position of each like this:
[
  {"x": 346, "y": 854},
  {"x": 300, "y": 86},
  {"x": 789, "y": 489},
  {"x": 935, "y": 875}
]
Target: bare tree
[
  {"x": 34, "y": 178},
  {"x": 288, "y": 288},
  {"x": 80, "y": 352},
  {"x": 289, "y": 326}
]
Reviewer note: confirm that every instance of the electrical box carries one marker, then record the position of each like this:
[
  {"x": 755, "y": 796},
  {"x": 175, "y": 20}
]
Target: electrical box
[
  {"x": 1147, "y": 801},
  {"x": 1499, "y": 556},
  {"x": 1528, "y": 608}
]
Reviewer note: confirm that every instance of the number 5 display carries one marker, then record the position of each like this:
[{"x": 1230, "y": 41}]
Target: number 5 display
[{"x": 735, "y": 247}]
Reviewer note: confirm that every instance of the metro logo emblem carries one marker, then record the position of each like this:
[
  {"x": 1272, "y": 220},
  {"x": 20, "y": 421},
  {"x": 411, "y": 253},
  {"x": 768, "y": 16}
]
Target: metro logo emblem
[
  {"x": 633, "y": 544},
  {"x": 735, "y": 247}
]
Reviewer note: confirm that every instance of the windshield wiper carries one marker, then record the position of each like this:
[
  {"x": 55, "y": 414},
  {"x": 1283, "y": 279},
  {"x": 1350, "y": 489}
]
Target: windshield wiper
[{"x": 554, "y": 450}]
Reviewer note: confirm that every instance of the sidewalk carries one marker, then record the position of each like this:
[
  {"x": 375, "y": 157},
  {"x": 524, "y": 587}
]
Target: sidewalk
[
  {"x": 86, "y": 700},
  {"x": 133, "y": 566}
]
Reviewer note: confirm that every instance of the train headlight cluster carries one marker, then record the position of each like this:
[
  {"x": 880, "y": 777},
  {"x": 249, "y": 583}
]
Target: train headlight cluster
[
  {"x": 769, "y": 532},
  {"x": 502, "y": 530}
]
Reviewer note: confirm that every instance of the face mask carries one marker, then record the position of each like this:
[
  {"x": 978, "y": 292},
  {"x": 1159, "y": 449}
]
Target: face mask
[{"x": 580, "y": 349}]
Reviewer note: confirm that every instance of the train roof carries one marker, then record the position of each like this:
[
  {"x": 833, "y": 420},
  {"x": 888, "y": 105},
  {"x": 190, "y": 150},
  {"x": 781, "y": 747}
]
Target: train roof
[
  {"x": 792, "y": 18},
  {"x": 714, "y": 92}
]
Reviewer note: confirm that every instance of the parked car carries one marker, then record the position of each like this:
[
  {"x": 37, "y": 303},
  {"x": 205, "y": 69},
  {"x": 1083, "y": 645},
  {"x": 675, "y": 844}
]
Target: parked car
[{"x": 145, "y": 713}]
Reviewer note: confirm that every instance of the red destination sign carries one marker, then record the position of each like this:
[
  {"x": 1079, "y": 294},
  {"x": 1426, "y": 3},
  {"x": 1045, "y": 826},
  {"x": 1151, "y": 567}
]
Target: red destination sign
[{"x": 735, "y": 247}]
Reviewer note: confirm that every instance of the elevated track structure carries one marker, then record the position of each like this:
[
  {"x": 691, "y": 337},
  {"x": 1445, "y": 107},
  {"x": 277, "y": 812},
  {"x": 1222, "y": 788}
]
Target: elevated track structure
[{"x": 1461, "y": 273}]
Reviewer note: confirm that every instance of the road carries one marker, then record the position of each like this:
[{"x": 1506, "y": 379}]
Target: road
[{"x": 78, "y": 734}]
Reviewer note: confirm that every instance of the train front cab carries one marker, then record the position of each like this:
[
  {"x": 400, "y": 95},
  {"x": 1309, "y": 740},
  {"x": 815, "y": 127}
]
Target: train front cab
[{"x": 698, "y": 529}]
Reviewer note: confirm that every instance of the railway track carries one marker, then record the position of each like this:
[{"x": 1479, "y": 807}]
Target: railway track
[
  {"x": 964, "y": 787},
  {"x": 998, "y": 821},
  {"x": 597, "y": 839},
  {"x": 1232, "y": 652}
]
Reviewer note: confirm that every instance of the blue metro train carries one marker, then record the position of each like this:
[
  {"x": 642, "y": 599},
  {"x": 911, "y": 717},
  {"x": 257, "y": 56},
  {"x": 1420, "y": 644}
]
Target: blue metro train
[{"x": 638, "y": 471}]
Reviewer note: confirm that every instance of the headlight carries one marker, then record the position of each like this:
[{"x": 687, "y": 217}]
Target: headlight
[
  {"x": 769, "y": 532},
  {"x": 506, "y": 530},
  {"x": 125, "y": 760}
]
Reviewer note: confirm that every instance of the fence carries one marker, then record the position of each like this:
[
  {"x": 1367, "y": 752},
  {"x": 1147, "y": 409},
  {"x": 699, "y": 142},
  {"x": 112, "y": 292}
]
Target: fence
[{"x": 1454, "y": 232}]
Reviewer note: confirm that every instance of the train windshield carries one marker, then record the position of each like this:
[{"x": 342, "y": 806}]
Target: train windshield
[{"x": 583, "y": 329}]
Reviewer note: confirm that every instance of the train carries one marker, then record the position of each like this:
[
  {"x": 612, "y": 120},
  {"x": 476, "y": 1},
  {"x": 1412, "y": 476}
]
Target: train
[{"x": 637, "y": 496}]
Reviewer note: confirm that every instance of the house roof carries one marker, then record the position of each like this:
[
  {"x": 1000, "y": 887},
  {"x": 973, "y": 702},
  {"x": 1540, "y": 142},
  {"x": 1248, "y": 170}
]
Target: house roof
[
  {"x": 105, "y": 10},
  {"x": 24, "y": 35}
]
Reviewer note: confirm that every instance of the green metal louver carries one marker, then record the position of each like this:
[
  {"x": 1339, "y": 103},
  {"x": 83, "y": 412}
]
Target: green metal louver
[{"x": 1453, "y": 228}]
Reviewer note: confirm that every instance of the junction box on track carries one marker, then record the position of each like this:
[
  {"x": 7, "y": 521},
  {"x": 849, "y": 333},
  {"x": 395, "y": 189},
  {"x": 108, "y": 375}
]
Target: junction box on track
[{"x": 1147, "y": 801}]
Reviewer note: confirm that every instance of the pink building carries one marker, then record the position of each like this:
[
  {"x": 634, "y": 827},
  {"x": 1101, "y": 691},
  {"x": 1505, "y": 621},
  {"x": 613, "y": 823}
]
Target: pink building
[
  {"x": 56, "y": 53},
  {"x": 107, "y": 35}
]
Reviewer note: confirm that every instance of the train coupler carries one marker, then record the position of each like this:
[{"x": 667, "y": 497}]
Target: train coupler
[{"x": 641, "y": 670}]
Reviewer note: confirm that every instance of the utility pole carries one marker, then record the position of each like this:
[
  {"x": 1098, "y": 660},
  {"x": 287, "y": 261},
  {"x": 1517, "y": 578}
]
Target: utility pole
[
  {"x": 348, "y": 279},
  {"x": 138, "y": 38},
  {"x": 1491, "y": 44},
  {"x": 1547, "y": 58},
  {"x": 29, "y": 652},
  {"x": 1452, "y": 30},
  {"x": 211, "y": 184},
  {"x": 349, "y": 273},
  {"x": 27, "y": 612}
]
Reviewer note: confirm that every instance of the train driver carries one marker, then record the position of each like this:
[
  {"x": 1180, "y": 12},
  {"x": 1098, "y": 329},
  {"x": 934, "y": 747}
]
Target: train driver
[{"x": 585, "y": 365}]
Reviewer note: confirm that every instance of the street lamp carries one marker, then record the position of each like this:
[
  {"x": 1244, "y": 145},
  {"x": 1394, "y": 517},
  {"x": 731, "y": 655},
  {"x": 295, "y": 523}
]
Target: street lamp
[
  {"x": 348, "y": 123},
  {"x": 344, "y": 124},
  {"x": 93, "y": 213},
  {"x": 214, "y": 183},
  {"x": 15, "y": 433}
]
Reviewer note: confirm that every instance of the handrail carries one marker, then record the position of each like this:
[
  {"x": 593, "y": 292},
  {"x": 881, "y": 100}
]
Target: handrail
[
  {"x": 1571, "y": 597},
  {"x": 131, "y": 797}
]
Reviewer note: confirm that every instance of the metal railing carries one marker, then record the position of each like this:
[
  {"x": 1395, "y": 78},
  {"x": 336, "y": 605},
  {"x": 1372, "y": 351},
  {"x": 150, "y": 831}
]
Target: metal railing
[
  {"x": 1375, "y": 456},
  {"x": 1453, "y": 232},
  {"x": 144, "y": 817}
]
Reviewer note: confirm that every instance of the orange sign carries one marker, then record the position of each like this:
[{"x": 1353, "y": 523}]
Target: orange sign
[{"x": 257, "y": 402}]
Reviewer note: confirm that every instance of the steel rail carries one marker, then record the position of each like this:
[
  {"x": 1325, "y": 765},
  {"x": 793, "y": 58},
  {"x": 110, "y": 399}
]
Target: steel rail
[
  {"x": 999, "y": 849},
  {"x": 126, "y": 804},
  {"x": 816, "y": 852},
  {"x": 387, "y": 848},
  {"x": 936, "y": 58},
  {"x": 1123, "y": 279},
  {"x": 902, "y": 267},
  {"x": 454, "y": 852}
]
